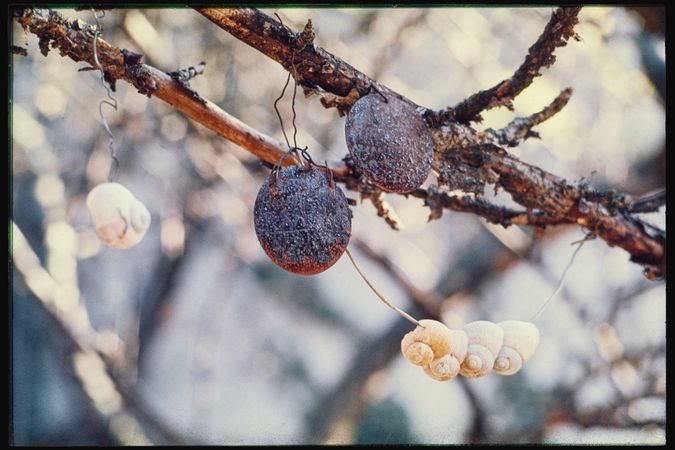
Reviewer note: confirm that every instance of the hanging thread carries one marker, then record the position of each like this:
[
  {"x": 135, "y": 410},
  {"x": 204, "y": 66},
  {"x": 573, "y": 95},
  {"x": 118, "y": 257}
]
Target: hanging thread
[
  {"x": 564, "y": 273},
  {"x": 111, "y": 101},
  {"x": 380, "y": 296},
  {"x": 297, "y": 152}
]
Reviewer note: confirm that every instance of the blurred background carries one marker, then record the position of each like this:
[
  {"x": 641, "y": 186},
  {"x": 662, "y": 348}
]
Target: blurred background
[{"x": 214, "y": 344}]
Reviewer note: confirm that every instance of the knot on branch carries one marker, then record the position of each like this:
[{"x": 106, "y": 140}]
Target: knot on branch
[
  {"x": 467, "y": 168},
  {"x": 183, "y": 77},
  {"x": 306, "y": 36}
]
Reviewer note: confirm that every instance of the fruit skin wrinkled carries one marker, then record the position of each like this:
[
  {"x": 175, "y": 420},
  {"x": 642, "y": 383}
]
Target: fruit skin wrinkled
[
  {"x": 389, "y": 143},
  {"x": 302, "y": 219}
]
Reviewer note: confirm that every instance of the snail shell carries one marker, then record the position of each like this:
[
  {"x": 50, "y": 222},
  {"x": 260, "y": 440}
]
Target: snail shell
[
  {"x": 426, "y": 343},
  {"x": 119, "y": 218},
  {"x": 520, "y": 342},
  {"x": 485, "y": 341},
  {"x": 447, "y": 366}
]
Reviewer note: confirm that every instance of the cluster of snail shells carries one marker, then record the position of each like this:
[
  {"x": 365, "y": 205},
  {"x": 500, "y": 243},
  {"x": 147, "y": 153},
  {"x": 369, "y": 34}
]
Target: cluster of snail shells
[
  {"x": 119, "y": 218},
  {"x": 475, "y": 350}
]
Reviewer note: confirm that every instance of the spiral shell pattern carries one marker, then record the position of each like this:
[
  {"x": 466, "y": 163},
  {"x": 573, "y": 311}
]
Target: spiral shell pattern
[
  {"x": 474, "y": 351},
  {"x": 120, "y": 220}
]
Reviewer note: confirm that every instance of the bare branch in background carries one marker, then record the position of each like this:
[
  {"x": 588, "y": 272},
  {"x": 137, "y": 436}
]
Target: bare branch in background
[{"x": 89, "y": 353}]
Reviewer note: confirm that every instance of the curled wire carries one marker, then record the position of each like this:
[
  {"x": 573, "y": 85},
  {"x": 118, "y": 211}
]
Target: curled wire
[
  {"x": 294, "y": 149},
  {"x": 111, "y": 101},
  {"x": 276, "y": 108}
]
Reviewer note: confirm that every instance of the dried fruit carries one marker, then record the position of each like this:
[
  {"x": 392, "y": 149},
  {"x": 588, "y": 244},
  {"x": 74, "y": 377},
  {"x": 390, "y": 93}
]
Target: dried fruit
[
  {"x": 389, "y": 143},
  {"x": 302, "y": 219}
]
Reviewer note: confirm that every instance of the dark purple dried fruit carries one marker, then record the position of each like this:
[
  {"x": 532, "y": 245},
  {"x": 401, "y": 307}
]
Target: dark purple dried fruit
[
  {"x": 302, "y": 219},
  {"x": 389, "y": 143}
]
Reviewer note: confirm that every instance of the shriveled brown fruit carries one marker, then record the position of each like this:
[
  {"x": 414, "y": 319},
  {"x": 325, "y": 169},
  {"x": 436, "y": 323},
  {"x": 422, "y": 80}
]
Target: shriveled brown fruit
[
  {"x": 389, "y": 143},
  {"x": 302, "y": 219}
]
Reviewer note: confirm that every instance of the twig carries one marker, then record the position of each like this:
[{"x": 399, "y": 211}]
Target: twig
[
  {"x": 185, "y": 75},
  {"x": 648, "y": 203},
  {"x": 75, "y": 42},
  {"x": 521, "y": 128},
  {"x": 556, "y": 33},
  {"x": 16, "y": 50}
]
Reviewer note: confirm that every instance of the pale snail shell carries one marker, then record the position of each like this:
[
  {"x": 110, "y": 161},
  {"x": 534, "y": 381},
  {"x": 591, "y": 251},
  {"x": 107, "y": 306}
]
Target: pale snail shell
[
  {"x": 436, "y": 348},
  {"x": 485, "y": 340},
  {"x": 520, "y": 342},
  {"x": 426, "y": 343},
  {"x": 119, "y": 218},
  {"x": 473, "y": 351},
  {"x": 447, "y": 366}
]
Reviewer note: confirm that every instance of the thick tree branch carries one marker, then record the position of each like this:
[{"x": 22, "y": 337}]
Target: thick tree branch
[
  {"x": 315, "y": 69},
  {"x": 75, "y": 40},
  {"x": 464, "y": 159}
]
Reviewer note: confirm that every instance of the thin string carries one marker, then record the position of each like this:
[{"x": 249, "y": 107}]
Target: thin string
[
  {"x": 380, "y": 296},
  {"x": 295, "y": 90},
  {"x": 112, "y": 102},
  {"x": 564, "y": 274},
  {"x": 281, "y": 121}
]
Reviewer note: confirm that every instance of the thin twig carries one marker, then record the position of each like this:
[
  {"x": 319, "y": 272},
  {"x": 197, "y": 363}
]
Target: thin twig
[
  {"x": 521, "y": 128},
  {"x": 540, "y": 55}
]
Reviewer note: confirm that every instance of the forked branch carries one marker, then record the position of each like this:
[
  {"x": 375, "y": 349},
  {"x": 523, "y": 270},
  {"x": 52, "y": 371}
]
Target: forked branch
[{"x": 464, "y": 159}]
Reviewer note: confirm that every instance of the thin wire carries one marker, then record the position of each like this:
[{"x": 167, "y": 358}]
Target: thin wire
[
  {"x": 381, "y": 297},
  {"x": 112, "y": 103},
  {"x": 564, "y": 274},
  {"x": 295, "y": 90},
  {"x": 281, "y": 121}
]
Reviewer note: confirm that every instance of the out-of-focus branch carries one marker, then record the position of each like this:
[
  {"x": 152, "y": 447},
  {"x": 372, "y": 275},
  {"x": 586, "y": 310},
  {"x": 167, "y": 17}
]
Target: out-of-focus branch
[
  {"x": 393, "y": 44},
  {"x": 91, "y": 357},
  {"x": 648, "y": 203},
  {"x": 382, "y": 350}
]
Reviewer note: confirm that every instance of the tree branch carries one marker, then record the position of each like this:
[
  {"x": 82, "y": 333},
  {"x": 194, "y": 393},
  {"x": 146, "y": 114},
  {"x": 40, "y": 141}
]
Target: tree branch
[
  {"x": 521, "y": 128},
  {"x": 75, "y": 40},
  {"x": 556, "y": 33},
  {"x": 317, "y": 70},
  {"x": 463, "y": 158},
  {"x": 72, "y": 322}
]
